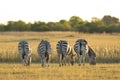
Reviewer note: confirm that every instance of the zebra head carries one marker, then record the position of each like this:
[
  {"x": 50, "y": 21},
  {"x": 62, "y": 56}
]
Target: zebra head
[
  {"x": 92, "y": 56},
  {"x": 72, "y": 57}
]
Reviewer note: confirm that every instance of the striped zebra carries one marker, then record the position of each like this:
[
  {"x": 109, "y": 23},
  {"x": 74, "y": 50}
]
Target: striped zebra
[
  {"x": 44, "y": 51},
  {"x": 91, "y": 56},
  {"x": 82, "y": 49},
  {"x": 63, "y": 49},
  {"x": 25, "y": 52}
]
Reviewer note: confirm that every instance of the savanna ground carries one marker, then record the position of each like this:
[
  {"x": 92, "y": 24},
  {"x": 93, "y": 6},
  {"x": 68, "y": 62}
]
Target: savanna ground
[{"x": 106, "y": 46}]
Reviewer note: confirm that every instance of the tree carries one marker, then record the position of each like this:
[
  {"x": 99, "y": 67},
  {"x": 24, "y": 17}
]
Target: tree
[
  {"x": 51, "y": 26},
  {"x": 20, "y": 26},
  {"x": 16, "y": 26},
  {"x": 2, "y": 27},
  {"x": 39, "y": 26},
  {"x": 66, "y": 25},
  {"x": 107, "y": 19},
  {"x": 75, "y": 22},
  {"x": 97, "y": 25}
]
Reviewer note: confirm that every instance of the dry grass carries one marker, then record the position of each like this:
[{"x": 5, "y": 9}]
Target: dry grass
[
  {"x": 54, "y": 72},
  {"x": 106, "y": 46}
]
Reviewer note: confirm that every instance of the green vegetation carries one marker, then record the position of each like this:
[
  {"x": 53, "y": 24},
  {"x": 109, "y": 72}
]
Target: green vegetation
[{"x": 107, "y": 24}]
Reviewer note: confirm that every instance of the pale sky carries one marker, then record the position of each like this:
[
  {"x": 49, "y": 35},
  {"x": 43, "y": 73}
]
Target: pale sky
[{"x": 55, "y": 10}]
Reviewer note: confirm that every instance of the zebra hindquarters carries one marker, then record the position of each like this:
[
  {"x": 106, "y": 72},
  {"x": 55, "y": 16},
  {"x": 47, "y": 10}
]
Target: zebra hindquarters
[
  {"x": 62, "y": 47},
  {"x": 44, "y": 51},
  {"x": 24, "y": 51},
  {"x": 81, "y": 48}
]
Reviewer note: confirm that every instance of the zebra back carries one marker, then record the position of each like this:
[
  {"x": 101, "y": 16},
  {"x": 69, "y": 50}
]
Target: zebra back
[
  {"x": 80, "y": 45},
  {"x": 23, "y": 47},
  {"x": 63, "y": 47},
  {"x": 44, "y": 47}
]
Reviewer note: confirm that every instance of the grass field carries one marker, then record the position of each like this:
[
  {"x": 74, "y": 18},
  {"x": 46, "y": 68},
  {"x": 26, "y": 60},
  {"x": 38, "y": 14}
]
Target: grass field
[
  {"x": 106, "y": 46},
  {"x": 54, "y": 72}
]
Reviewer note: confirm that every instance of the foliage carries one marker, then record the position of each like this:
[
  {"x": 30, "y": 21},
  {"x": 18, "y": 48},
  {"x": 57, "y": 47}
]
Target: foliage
[{"x": 107, "y": 24}]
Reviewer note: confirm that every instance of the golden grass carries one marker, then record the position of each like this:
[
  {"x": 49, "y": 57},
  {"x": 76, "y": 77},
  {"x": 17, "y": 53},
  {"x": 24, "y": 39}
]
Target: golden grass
[
  {"x": 54, "y": 72},
  {"x": 106, "y": 46}
]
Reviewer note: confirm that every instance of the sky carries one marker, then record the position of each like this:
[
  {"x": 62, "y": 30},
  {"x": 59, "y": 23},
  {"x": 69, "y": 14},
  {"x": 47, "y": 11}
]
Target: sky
[{"x": 55, "y": 10}]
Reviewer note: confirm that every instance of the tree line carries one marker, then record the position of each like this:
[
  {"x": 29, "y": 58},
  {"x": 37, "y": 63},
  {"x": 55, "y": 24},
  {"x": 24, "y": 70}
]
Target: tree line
[{"x": 107, "y": 24}]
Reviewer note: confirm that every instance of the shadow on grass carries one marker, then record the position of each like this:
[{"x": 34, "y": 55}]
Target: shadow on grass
[
  {"x": 55, "y": 60},
  {"x": 18, "y": 60},
  {"x": 108, "y": 60}
]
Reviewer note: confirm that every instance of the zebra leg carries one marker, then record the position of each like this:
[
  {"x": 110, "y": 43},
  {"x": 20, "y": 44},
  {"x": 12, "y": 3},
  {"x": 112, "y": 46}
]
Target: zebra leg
[
  {"x": 79, "y": 61},
  {"x": 47, "y": 59},
  {"x": 59, "y": 59},
  {"x": 69, "y": 60},
  {"x": 42, "y": 60},
  {"x": 28, "y": 60},
  {"x": 22, "y": 58},
  {"x": 24, "y": 62},
  {"x": 63, "y": 60},
  {"x": 83, "y": 59}
]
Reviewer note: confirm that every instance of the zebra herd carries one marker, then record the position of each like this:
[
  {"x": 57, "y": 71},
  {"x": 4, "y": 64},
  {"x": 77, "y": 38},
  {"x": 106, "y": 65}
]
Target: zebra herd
[{"x": 81, "y": 48}]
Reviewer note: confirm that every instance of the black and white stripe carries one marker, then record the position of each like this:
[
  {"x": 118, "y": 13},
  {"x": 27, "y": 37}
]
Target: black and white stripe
[
  {"x": 63, "y": 49},
  {"x": 82, "y": 49},
  {"x": 44, "y": 51},
  {"x": 91, "y": 56},
  {"x": 25, "y": 52}
]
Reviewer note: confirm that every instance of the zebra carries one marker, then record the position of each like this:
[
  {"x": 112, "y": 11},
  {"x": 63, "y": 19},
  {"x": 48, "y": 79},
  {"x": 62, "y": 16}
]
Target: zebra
[
  {"x": 63, "y": 49},
  {"x": 91, "y": 56},
  {"x": 82, "y": 49},
  {"x": 45, "y": 51},
  {"x": 25, "y": 52}
]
